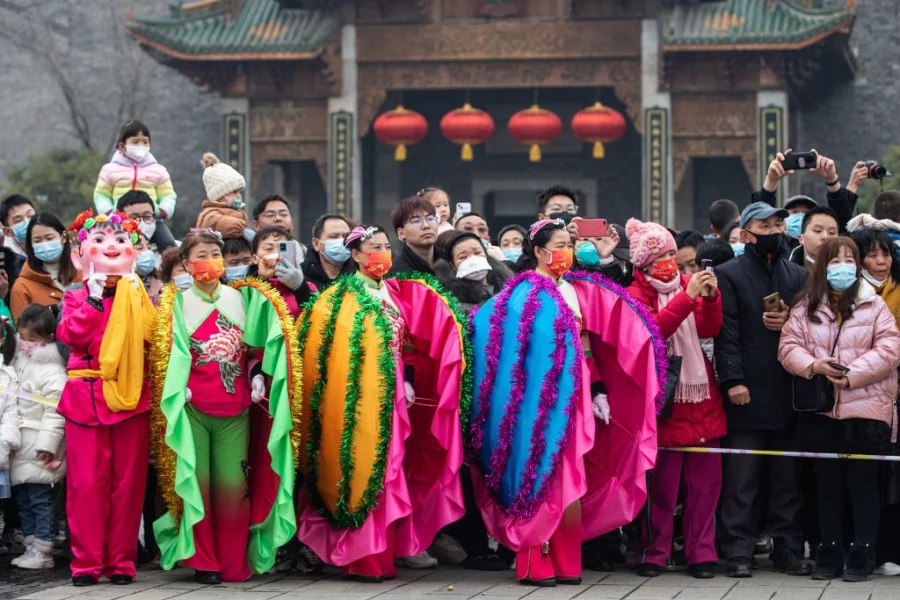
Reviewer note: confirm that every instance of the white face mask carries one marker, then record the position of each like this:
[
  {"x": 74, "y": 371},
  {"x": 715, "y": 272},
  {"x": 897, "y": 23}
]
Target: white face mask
[
  {"x": 137, "y": 152},
  {"x": 147, "y": 229},
  {"x": 474, "y": 268},
  {"x": 868, "y": 277}
]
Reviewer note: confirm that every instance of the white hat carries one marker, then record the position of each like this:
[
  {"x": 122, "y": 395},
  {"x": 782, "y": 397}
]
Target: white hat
[{"x": 220, "y": 179}]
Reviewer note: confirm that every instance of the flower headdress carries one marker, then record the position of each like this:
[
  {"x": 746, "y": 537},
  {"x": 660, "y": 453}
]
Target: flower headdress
[
  {"x": 360, "y": 233},
  {"x": 536, "y": 227},
  {"x": 87, "y": 221}
]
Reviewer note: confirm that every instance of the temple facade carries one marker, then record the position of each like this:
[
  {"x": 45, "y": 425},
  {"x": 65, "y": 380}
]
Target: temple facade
[{"x": 710, "y": 90}]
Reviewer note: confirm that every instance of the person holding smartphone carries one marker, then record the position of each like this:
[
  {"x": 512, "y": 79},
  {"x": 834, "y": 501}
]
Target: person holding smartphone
[{"x": 840, "y": 328}]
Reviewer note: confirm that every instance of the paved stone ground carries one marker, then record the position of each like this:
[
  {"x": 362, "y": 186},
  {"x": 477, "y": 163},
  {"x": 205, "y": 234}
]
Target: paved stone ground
[{"x": 457, "y": 584}]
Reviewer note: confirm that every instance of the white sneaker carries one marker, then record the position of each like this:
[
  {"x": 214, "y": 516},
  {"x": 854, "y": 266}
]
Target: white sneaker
[
  {"x": 447, "y": 551},
  {"x": 422, "y": 560},
  {"x": 15, "y": 562},
  {"x": 35, "y": 559},
  {"x": 888, "y": 569}
]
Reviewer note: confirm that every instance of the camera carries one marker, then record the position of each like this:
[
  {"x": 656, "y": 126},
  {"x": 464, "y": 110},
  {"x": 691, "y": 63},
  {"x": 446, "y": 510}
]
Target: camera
[{"x": 876, "y": 171}]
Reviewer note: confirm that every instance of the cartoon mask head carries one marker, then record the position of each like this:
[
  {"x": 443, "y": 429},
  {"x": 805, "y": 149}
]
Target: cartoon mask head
[{"x": 105, "y": 244}]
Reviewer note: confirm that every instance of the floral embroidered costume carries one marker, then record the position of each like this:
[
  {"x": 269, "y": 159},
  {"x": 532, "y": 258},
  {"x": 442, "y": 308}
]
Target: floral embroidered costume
[
  {"x": 105, "y": 402},
  {"x": 363, "y": 343},
  {"x": 226, "y": 465}
]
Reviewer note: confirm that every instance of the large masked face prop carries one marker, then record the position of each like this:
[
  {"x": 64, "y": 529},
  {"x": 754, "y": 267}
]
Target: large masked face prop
[{"x": 105, "y": 245}]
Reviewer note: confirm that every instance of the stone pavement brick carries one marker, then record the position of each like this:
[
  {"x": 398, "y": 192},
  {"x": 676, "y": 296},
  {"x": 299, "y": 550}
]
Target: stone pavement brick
[
  {"x": 603, "y": 592},
  {"x": 646, "y": 592},
  {"x": 221, "y": 592},
  {"x": 834, "y": 593},
  {"x": 798, "y": 594},
  {"x": 751, "y": 593}
]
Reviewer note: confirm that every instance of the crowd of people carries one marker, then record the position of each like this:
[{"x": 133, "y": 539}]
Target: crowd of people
[{"x": 544, "y": 399}]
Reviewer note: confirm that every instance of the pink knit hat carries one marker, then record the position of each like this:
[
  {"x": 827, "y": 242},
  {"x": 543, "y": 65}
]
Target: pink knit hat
[{"x": 648, "y": 241}]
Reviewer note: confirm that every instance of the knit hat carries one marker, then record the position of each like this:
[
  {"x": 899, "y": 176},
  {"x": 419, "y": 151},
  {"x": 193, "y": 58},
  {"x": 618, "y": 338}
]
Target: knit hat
[
  {"x": 220, "y": 179},
  {"x": 648, "y": 242}
]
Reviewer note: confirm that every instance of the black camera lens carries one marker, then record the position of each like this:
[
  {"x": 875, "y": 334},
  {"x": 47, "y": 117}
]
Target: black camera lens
[{"x": 876, "y": 171}]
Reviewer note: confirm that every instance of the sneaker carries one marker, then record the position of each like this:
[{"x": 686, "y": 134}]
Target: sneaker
[
  {"x": 35, "y": 559},
  {"x": 15, "y": 562},
  {"x": 309, "y": 560},
  {"x": 739, "y": 567},
  {"x": 789, "y": 561},
  {"x": 888, "y": 569},
  {"x": 763, "y": 544},
  {"x": 422, "y": 560},
  {"x": 447, "y": 551},
  {"x": 860, "y": 563}
]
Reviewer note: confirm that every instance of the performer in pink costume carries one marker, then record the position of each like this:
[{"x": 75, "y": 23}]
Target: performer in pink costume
[{"x": 105, "y": 402}]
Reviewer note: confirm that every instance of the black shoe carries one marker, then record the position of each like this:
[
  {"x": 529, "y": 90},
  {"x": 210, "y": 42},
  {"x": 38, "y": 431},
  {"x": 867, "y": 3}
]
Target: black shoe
[
  {"x": 120, "y": 579},
  {"x": 829, "y": 562},
  {"x": 551, "y": 582},
  {"x": 789, "y": 561},
  {"x": 83, "y": 580},
  {"x": 364, "y": 578},
  {"x": 207, "y": 577},
  {"x": 860, "y": 563},
  {"x": 706, "y": 570},
  {"x": 739, "y": 567},
  {"x": 648, "y": 570},
  {"x": 568, "y": 580},
  {"x": 491, "y": 562},
  {"x": 598, "y": 564}
]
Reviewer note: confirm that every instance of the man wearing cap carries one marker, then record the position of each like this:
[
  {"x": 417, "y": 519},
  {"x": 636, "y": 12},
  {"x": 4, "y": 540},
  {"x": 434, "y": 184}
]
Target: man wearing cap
[{"x": 758, "y": 393}]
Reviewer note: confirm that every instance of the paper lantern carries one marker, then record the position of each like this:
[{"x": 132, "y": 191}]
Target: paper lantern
[
  {"x": 535, "y": 127},
  {"x": 467, "y": 127},
  {"x": 400, "y": 127},
  {"x": 599, "y": 124}
]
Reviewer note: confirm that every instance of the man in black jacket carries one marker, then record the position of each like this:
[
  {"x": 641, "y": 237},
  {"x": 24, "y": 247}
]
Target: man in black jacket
[
  {"x": 415, "y": 223},
  {"x": 757, "y": 391},
  {"x": 329, "y": 258}
]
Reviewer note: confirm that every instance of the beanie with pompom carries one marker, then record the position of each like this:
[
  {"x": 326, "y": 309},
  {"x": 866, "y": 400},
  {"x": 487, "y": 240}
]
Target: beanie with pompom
[
  {"x": 220, "y": 179},
  {"x": 648, "y": 242}
]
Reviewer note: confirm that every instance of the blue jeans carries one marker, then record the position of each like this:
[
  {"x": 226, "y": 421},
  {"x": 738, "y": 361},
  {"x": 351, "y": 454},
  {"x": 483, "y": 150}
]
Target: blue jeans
[{"x": 35, "y": 502}]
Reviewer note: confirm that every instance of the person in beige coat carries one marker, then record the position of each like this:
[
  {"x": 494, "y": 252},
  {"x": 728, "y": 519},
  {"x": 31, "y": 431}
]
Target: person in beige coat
[{"x": 840, "y": 328}]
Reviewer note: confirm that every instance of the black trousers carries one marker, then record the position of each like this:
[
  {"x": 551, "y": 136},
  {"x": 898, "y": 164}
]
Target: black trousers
[
  {"x": 741, "y": 479},
  {"x": 469, "y": 531},
  {"x": 858, "y": 480}
]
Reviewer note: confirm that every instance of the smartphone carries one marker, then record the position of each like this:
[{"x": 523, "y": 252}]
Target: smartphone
[
  {"x": 593, "y": 228},
  {"x": 706, "y": 264},
  {"x": 839, "y": 367},
  {"x": 287, "y": 251},
  {"x": 800, "y": 160},
  {"x": 463, "y": 208},
  {"x": 772, "y": 303}
]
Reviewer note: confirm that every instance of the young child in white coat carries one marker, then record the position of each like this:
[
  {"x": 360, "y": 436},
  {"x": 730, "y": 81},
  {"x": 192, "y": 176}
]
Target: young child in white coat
[
  {"x": 39, "y": 463},
  {"x": 9, "y": 426}
]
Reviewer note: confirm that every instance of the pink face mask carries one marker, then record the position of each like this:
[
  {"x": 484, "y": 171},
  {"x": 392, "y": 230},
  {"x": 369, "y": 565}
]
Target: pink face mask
[{"x": 27, "y": 347}]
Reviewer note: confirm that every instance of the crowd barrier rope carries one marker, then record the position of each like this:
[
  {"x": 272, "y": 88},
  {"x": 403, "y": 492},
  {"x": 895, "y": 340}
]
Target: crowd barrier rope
[{"x": 785, "y": 453}]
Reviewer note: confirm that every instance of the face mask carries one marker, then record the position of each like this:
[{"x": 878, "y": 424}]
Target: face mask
[
  {"x": 794, "y": 224},
  {"x": 587, "y": 254},
  {"x": 137, "y": 153},
  {"x": 146, "y": 262},
  {"x": 560, "y": 261},
  {"x": 841, "y": 277},
  {"x": 485, "y": 244},
  {"x": 665, "y": 270},
  {"x": 183, "y": 281},
  {"x": 566, "y": 217},
  {"x": 237, "y": 203},
  {"x": 236, "y": 273},
  {"x": 147, "y": 229},
  {"x": 20, "y": 230},
  {"x": 335, "y": 252},
  {"x": 512, "y": 254},
  {"x": 737, "y": 248},
  {"x": 474, "y": 268},
  {"x": 208, "y": 270},
  {"x": 767, "y": 244},
  {"x": 47, "y": 251},
  {"x": 379, "y": 264},
  {"x": 875, "y": 283},
  {"x": 27, "y": 347}
]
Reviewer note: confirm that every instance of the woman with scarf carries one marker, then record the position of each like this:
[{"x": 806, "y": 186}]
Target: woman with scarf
[
  {"x": 563, "y": 423},
  {"x": 385, "y": 369},
  {"x": 686, "y": 308}
]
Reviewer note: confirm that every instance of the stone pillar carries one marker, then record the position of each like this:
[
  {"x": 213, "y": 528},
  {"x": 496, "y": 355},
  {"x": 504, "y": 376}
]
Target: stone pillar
[
  {"x": 236, "y": 142},
  {"x": 657, "y": 193},
  {"x": 771, "y": 135},
  {"x": 344, "y": 144}
]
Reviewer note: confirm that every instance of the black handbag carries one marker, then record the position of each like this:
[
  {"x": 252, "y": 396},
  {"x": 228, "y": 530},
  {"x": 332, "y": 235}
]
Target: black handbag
[
  {"x": 815, "y": 395},
  {"x": 673, "y": 372}
]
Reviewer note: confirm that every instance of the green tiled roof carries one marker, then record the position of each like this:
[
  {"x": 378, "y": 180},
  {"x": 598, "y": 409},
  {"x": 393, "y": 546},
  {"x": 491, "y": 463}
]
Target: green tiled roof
[
  {"x": 261, "y": 29},
  {"x": 749, "y": 24}
]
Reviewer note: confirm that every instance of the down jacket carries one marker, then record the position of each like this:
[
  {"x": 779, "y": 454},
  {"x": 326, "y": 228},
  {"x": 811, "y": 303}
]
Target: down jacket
[
  {"x": 121, "y": 174},
  {"x": 869, "y": 345},
  {"x": 10, "y": 439},
  {"x": 690, "y": 423}
]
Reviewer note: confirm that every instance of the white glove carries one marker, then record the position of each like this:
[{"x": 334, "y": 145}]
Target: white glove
[
  {"x": 601, "y": 407},
  {"x": 95, "y": 284},
  {"x": 257, "y": 389},
  {"x": 187, "y": 394},
  {"x": 134, "y": 280},
  {"x": 410, "y": 394}
]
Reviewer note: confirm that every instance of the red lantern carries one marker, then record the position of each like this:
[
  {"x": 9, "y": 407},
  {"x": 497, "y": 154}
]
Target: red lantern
[
  {"x": 400, "y": 127},
  {"x": 535, "y": 126},
  {"x": 468, "y": 127},
  {"x": 598, "y": 124}
]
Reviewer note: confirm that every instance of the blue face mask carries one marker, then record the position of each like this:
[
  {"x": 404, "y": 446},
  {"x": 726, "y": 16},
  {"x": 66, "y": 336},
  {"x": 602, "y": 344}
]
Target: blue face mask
[
  {"x": 183, "y": 281},
  {"x": 47, "y": 251},
  {"x": 738, "y": 248},
  {"x": 146, "y": 262},
  {"x": 236, "y": 273},
  {"x": 20, "y": 230},
  {"x": 512, "y": 254},
  {"x": 335, "y": 252},
  {"x": 587, "y": 254},
  {"x": 841, "y": 277},
  {"x": 485, "y": 243},
  {"x": 794, "y": 225}
]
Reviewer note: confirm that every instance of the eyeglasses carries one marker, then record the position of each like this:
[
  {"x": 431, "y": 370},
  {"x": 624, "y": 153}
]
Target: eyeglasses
[
  {"x": 271, "y": 214},
  {"x": 146, "y": 218},
  {"x": 555, "y": 208},
  {"x": 420, "y": 221}
]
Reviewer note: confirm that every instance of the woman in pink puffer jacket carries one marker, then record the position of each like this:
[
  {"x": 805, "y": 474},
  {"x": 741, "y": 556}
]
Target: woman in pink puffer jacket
[{"x": 835, "y": 298}]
